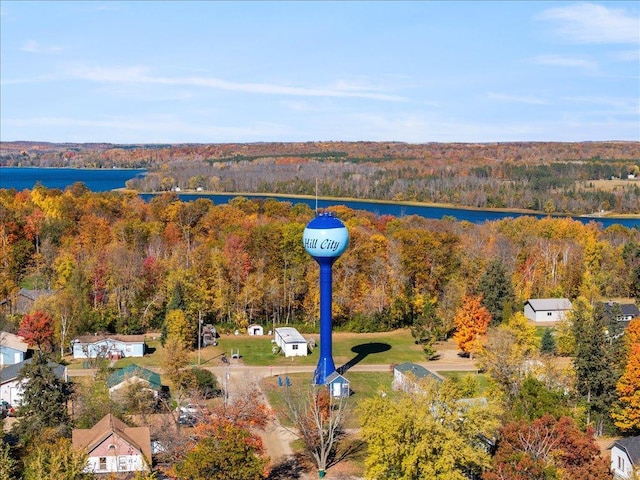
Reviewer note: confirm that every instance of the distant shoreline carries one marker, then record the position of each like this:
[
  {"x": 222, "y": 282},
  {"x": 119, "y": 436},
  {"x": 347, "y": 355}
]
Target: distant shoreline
[{"x": 521, "y": 211}]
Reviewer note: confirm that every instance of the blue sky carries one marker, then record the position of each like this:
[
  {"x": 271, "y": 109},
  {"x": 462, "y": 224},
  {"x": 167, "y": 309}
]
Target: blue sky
[{"x": 208, "y": 72}]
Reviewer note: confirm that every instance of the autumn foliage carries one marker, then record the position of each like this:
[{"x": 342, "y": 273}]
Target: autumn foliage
[
  {"x": 472, "y": 320},
  {"x": 627, "y": 414},
  {"x": 37, "y": 330},
  {"x": 547, "y": 448}
]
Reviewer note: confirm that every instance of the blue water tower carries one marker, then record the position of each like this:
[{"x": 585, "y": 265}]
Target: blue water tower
[{"x": 325, "y": 238}]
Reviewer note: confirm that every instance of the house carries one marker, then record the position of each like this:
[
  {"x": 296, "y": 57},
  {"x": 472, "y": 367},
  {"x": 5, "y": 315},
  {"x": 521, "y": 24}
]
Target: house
[
  {"x": 123, "y": 377},
  {"x": 291, "y": 342},
  {"x": 407, "y": 376},
  {"x": 23, "y": 301},
  {"x": 255, "y": 329},
  {"x": 11, "y": 388},
  {"x": 338, "y": 385},
  {"x": 114, "y": 447},
  {"x": 545, "y": 310},
  {"x": 621, "y": 312},
  {"x": 12, "y": 349},
  {"x": 625, "y": 458},
  {"x": 109, "y": 346}
]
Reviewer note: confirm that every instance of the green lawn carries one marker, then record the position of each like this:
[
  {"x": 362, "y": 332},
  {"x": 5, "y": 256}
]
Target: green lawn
[
  {"x": 362, "y": 348},
  {"x": 348, "y": 348}
]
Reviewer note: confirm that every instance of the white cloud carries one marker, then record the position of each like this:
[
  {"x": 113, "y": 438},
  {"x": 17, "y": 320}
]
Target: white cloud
[
  {"x": 564, "y": 61},
  {"x": 530, "y": 100},
  {"x": 32, "y": 46},
  {"x": 592, "y": 23},
  {"x": 140, "y": 75}
]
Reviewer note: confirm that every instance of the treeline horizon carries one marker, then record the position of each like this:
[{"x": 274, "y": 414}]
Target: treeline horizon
[
  {"x": 551, "y": 177},
  {"x": 115, "y": 262}
]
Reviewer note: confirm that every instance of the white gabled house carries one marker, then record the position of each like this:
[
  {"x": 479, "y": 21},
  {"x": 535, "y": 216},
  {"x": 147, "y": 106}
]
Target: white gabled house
[
  {"x": 291, "y": 342},
  {"x": 625, "y": 458},
  {"x": 109, "y": 346},
  {"x": 546, "y": 310},
  {"x": 11, "y": 388},
  {"x": 114, "y": 447}
]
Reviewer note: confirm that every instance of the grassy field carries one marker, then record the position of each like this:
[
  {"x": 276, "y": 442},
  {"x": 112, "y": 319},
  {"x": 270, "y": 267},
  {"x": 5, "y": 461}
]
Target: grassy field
[{"x": 363, "y": 348}]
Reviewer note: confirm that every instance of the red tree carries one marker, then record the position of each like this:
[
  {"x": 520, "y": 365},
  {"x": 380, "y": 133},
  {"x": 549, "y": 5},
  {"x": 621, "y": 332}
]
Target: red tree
[
  {"x": 37, "y": 330},
  {"x": 547, "y": 448}
]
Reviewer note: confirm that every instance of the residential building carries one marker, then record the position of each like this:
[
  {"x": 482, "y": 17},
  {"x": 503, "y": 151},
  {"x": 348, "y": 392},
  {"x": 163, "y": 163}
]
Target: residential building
[
  {"x": 291, "y": 342},
  {"x": 114, "y": 447},
  {"x": 13, "y": 349},
  {"x": 109, "y": 346},
  {"x": 625, "y": 458},
  {"x": 11, "y": 388}
]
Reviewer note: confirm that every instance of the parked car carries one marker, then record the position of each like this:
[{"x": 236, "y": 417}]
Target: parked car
[{"x": 188, "y": 419}]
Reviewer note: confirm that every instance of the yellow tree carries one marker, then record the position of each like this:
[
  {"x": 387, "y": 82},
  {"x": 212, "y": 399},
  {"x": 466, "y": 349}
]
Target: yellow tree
[{"x": 471, "y": 320}]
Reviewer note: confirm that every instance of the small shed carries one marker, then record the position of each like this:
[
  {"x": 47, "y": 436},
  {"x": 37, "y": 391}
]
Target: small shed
[
  {"x": 407, "y": 377},
  {"x": 291, "y": 342},
  {"x": 338, "y": 385},
  {"x": 255, "y": 329},
  {"x": 545, "y": 310}
]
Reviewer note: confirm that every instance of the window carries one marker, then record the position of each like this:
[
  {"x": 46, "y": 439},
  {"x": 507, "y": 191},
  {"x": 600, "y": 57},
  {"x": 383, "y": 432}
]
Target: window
[
  {"x": 127, "y": 348},
  {"x": 620, "y": 463},
  {"x": 122, "y": 464},
  {"x": 294, "y": 347},
  {"x": 102, "y": 463},
  {"x": 549, "y": 314}
]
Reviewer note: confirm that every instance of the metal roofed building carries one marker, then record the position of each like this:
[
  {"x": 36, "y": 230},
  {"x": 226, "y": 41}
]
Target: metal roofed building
[
  {"x": 291, "y": 342},
  {"x": 545, "y": 310}
]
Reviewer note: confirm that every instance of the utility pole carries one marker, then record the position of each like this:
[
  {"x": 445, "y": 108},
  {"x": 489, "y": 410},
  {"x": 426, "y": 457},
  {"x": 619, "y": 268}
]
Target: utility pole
[{"x": 199, "y": 334}]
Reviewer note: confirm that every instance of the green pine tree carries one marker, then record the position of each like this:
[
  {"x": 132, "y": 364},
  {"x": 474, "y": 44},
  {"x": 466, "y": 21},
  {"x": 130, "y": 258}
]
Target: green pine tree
[
  {"x": 497, "y": 291},
  {"x": 44, "y": 400},
  {"x": 548, "y": 343}
]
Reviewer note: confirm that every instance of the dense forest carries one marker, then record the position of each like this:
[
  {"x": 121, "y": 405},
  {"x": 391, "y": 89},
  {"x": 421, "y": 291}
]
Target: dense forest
[
  {"x": 574, "y": 178},
  {"x": 117, "y": 261}
]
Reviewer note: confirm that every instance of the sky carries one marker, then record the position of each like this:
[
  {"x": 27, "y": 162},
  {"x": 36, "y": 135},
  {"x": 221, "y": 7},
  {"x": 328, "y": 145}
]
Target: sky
[{"x": 290, "y": 71}]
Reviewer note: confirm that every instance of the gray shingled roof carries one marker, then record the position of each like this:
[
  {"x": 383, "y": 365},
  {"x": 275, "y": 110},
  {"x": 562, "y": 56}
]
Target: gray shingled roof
[
  {"x": 631, "y": 445},
  {"x": 418, "y": 371},
  {"x": 11, "y": 372}
]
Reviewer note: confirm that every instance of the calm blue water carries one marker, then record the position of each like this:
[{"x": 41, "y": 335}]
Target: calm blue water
[
  {"x": 96, "y": 180},
  {"x": 103, "y": 180}
]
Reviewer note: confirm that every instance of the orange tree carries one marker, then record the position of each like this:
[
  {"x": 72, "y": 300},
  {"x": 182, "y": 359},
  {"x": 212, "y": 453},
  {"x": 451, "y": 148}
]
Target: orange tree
[
  {"x": 626, "y": 414},
  {"x": 471, "y": 320}
]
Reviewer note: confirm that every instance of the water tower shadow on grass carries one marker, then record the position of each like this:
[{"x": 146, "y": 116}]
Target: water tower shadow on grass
[{"x": 362, "y": 351}]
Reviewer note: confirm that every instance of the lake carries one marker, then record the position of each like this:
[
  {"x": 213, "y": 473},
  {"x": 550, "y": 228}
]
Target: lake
[
  {"x": 96, "y": 180},
  {"x": 102, "y": 180}
]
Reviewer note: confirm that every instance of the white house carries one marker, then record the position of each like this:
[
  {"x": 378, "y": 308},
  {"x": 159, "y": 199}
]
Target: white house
[
  {"x": 545, "y": 310},
  {"x": 11, "y": 388},
  {"x": 114, "y": 447},
  {"x": 12, "y": 349},
  {"x": 625, "y": 458},
  {"x": 109, "y": 346},
  {"x": 255, "y": 329},
  {"x": 621, "y": 312},
  {"x": 291, "y": 342}
]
